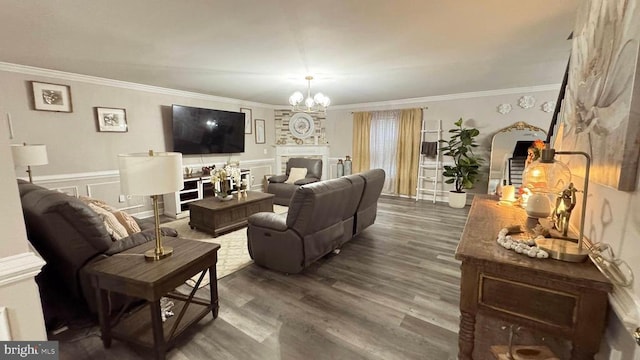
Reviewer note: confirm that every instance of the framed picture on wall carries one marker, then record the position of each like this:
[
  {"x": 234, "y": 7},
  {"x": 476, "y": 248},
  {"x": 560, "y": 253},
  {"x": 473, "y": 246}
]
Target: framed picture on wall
[
  {"x": 51, "y": 97},
  {"x": 260, "y": 137},
  {"x": 248, "y": 120},
  {"x": 111, "y": 119}
]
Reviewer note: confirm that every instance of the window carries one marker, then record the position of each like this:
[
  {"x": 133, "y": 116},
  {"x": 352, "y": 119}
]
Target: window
[{"x": 384, "y": 145}]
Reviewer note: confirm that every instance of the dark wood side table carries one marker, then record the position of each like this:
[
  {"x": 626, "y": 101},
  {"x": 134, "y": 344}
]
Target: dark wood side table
[
  {"x": 567, "y": 300},
  {"x": 130, "y": 274}
]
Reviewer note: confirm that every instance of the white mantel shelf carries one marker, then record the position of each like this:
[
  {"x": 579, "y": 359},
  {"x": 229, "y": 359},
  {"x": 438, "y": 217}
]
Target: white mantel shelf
[{"x": 302, "y": 151}]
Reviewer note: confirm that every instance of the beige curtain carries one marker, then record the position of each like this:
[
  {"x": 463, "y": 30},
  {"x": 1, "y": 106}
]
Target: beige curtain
[
  {"x": 408, "y": 151},
  {"x": 361, "y": 134}
]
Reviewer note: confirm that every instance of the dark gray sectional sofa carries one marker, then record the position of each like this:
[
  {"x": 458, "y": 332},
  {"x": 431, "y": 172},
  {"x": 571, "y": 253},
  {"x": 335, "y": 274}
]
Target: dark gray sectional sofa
[{"x": 322, "y": 217}]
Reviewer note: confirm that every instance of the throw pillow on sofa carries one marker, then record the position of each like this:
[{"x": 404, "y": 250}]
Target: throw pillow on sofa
[
  {"x": 123, "y": 217},
  {"x": 296, "y": 174},
  {"x": 127, "y": 221},
  {"x": 114, "y": 228}
]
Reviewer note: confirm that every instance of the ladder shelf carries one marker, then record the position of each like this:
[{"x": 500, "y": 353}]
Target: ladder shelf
[{"x": 429, "y": 177}]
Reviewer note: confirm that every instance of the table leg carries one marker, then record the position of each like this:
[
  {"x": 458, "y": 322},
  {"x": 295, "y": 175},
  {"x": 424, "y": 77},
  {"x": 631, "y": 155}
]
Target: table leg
[
  {"x": 158, "y": 333},
  {"x": 581, "y": 353},
  {"x": 102, "y": 297},
  {"x": 466, "y": 336},
  {"x": 213, "y": 286}
]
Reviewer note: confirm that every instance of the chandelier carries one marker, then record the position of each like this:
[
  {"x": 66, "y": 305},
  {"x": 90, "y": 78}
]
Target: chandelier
[{"x": 316, "y": 104}]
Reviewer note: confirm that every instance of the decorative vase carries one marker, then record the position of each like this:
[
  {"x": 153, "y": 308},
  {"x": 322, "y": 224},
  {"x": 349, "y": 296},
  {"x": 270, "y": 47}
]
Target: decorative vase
[
  {"x": 340, "y": 168},
  {"x": 223, "y": 197},
  {"x": 347, "y": 165},
  {"x": 538, "y": 206},
  {"x": 457, "y": 200}
]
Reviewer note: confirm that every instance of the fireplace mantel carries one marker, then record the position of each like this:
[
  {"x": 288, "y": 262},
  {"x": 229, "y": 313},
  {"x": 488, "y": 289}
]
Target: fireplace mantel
[{"x": 303, "y": 151}]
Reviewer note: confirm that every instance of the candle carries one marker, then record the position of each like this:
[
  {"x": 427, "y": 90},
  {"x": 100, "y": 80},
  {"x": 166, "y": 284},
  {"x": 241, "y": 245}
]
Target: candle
[{"x": 508, "y": 193}]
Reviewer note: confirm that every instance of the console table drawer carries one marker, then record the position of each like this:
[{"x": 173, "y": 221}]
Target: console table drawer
[{"x": 547, "y": 306}]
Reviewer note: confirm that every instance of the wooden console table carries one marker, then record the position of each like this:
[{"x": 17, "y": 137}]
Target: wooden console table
[
  {"x": 129, "y": 273},
  {"x": 216, "y": 217},
  {"x": 566, "y": 300}
]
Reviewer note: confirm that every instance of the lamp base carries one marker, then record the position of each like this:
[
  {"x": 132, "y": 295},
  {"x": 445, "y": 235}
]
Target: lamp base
[
  {"x": 151, "y": 255},
  {"x": 563, "y": 249}
]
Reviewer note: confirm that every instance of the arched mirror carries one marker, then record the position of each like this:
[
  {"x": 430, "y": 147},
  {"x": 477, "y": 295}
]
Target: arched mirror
[{"x": 503, "y": 145}]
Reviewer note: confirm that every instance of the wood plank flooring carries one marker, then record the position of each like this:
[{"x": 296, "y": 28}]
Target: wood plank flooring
[{"x": 391, "y": 293}]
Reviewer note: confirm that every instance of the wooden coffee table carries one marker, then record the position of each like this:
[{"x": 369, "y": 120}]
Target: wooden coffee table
[
  {"x": 130, "y": 274},
  {"x": 216, "y": 217}
]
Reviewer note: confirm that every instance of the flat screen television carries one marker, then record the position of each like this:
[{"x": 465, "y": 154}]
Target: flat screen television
[{"x": 207, "y": 131}]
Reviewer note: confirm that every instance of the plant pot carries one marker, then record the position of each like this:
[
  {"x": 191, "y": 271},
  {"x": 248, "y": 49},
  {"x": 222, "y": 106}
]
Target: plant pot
[{"x": 457, "y": 200}]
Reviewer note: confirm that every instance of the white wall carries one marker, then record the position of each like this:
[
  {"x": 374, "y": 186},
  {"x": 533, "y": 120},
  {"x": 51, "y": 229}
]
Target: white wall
[
  {"x": 478, "y": 109},
  {"x": 83, "y": 160},
  {"x": 18, "y": 290},
  {"x": 73, "y": 142}
]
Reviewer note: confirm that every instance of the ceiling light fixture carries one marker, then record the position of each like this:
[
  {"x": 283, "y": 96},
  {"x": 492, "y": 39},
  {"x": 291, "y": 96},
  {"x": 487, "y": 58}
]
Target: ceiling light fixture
[{"x": 316, "y": 104}]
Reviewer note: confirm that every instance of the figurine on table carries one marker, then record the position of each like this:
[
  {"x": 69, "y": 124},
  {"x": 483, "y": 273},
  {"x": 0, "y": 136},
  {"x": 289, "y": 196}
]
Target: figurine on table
[{"x": 565, "y": 202}]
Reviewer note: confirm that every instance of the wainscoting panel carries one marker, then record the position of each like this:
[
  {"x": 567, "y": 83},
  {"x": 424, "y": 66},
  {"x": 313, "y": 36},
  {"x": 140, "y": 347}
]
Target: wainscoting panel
[
  {"x": 110, "y": 193},
  {"x": 105, "y": 185}
]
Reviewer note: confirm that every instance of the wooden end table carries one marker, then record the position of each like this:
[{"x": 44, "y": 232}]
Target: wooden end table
[
  {"x": 216, "y": 217},
  {"x": 556, "y": 298},
  {"x": 130, "y": 274}
]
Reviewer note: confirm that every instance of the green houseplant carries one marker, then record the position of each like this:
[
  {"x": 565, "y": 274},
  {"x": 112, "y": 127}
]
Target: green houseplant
[{"x": 464, "y": 173}]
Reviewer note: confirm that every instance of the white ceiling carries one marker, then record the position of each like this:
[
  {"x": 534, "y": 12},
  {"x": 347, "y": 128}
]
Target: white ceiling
[{"x": 260, "y": 50}]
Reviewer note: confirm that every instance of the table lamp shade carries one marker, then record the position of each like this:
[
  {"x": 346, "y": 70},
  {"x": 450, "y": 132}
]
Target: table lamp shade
[
  {"x": 29, "y": 154},
  {"x": 150, "y": 173}
]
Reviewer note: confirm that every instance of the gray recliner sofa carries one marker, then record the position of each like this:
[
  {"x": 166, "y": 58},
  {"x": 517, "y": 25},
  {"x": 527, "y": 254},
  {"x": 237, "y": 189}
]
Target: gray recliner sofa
[
  {"x": 322, "y": 217},
  {"x": 283, "y": 191},
  {"x": 69, "y": 236}
]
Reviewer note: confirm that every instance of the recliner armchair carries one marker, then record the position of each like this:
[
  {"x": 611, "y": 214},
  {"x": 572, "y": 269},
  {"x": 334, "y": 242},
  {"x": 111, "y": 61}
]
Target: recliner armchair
[{"x": 282, "y": 190}]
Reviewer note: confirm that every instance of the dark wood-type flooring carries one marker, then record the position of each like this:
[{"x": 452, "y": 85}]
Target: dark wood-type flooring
[{"x": 391, "y": 293}]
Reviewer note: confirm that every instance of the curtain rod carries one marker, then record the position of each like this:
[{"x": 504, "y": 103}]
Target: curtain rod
[{"x": 423, "y": 108}]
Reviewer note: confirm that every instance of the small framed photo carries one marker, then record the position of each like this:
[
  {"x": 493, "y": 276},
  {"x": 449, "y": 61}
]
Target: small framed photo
[
  {"x": 260, "y": 137},
  {"x": 248, "y": 120},
  {"x": 51, "y": 97},
  {"x": 111, "y": 119}
]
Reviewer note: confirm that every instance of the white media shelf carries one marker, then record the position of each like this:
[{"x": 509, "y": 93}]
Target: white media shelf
[{"x": 176, "y": 205}]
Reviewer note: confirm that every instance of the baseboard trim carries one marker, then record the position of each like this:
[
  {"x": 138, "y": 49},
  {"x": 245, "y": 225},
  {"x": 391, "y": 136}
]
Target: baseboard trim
[
  {"x": 625, "y": 306},
  {"x": 19, "y": 267}
]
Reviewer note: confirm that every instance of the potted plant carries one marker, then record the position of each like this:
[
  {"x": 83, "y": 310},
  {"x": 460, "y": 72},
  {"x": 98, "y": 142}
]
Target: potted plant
[{"x": 464, "y": 172}]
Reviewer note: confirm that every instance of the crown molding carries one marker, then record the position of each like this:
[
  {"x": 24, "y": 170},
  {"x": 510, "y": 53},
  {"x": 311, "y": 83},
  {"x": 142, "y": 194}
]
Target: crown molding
[
  {"x": 62, "y": 75},
  {"x": 466, "y": 95}
]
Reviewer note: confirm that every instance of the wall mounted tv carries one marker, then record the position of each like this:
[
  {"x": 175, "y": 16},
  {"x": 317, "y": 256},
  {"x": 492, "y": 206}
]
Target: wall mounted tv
[{"x": 207, "y": 131}]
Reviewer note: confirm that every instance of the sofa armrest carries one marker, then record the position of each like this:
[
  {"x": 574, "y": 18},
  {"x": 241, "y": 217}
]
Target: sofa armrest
[
  {"x": 269, "y": 220},
  {"x": 138, "y": 239},
  {"x": 278, "y": 179},
  {"x": 305, "y": 181}
]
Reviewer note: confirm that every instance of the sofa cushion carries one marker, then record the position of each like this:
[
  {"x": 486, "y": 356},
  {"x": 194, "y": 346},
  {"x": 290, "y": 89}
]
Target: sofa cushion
[
  {"x": 318, "y": 205},
  {"x": 126, "y": 220},
  {"x": 113, "y": 226},
  {"x": 313, "y": 166},
  {"x": 296, "y": 174},
  {"x": 43, "y": 207}
]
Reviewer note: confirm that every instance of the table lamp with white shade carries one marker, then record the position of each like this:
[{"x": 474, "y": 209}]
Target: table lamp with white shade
[
  {"x": 29, "y": 155},
  {"x": 152, "y": 174}
]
